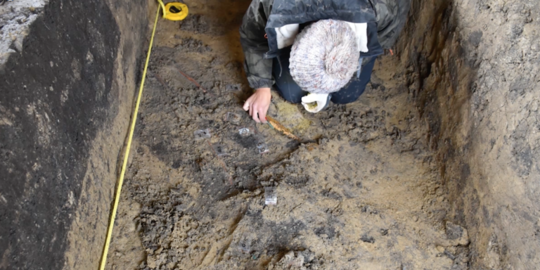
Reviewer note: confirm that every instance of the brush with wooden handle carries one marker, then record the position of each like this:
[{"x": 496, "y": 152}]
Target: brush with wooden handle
[{"x": 279, "y": 127}]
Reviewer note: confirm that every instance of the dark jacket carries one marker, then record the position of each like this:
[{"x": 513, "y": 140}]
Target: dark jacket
[{"x": 385, "y": 19}]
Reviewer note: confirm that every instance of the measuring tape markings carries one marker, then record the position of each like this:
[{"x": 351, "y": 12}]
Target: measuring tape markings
[{"x": 176, "y": 12}]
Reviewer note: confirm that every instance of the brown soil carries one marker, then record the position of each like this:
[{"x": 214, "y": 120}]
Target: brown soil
[{"x": 361, "y": 191}]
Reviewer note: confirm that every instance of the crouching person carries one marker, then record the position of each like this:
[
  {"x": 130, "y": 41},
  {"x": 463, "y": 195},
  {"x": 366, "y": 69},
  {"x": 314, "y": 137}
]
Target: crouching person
[{"x": 315, "y": 51}]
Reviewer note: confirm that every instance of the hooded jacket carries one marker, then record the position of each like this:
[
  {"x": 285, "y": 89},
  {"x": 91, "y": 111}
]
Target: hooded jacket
[{"x": 265, "y": 20}]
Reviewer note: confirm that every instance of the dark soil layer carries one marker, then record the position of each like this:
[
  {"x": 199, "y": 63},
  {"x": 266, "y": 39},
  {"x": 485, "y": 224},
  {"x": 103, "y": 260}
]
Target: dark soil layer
[
  {"x": 50, "y": 134},
  {"x": 62, "y": 92}
]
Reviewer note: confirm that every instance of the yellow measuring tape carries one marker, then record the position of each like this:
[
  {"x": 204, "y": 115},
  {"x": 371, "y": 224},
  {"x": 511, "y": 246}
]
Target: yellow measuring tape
[{"x": 176, "y": 12}]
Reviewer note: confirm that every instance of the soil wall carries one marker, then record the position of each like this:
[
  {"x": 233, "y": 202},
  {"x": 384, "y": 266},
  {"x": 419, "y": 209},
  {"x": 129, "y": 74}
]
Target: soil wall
[
  {"x": 473, "y": 70},
  {"x": 66, "y": 96}
]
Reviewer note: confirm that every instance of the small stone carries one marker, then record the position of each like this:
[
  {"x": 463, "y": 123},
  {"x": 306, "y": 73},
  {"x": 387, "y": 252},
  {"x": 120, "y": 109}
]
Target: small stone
[
  {"x": 367, "y": 239},
  {"x": 233, "y": 87},
  {"x": 440, "y": 249},
  {"x": 244, "y": 132}
]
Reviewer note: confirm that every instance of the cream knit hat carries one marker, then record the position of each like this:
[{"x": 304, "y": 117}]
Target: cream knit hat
[{"x": 324, "y": 57}]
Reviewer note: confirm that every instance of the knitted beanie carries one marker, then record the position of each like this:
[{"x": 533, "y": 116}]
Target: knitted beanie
[{"x": 324, "y": 57}]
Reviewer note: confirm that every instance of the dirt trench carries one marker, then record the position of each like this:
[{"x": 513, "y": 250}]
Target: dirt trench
[{"x": 361, "y": 191}]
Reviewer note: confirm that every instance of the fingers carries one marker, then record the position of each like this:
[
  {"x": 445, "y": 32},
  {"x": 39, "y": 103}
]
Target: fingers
[
  {"x": 252, "y": 107},
  {"x": 255, "y": 114},
  {"x": 256, "y": 117},
  {"x": 259, "y": 114},
  {"x": 248, "y": 106},
  {"x": 257, "y": 106},
  {"x": 262, "y": 115}
]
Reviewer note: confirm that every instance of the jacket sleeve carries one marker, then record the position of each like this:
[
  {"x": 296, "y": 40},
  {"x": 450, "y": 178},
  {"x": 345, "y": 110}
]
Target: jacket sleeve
[
  {"x": 391, "y": 17},
  {"x": 255, "y": 45}
]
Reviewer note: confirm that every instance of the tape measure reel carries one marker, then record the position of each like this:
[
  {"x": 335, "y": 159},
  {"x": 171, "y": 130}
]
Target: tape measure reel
[{"x": 175, "y": 11}]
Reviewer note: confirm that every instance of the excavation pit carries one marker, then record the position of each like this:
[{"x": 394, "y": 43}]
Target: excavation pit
[{"x": 434, "y": 167}]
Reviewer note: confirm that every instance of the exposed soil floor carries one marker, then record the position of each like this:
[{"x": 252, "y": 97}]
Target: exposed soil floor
[{"x": 361, "y": 191}]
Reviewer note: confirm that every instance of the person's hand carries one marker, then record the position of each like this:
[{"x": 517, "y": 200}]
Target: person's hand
[{"x": 258, "y": 104}]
